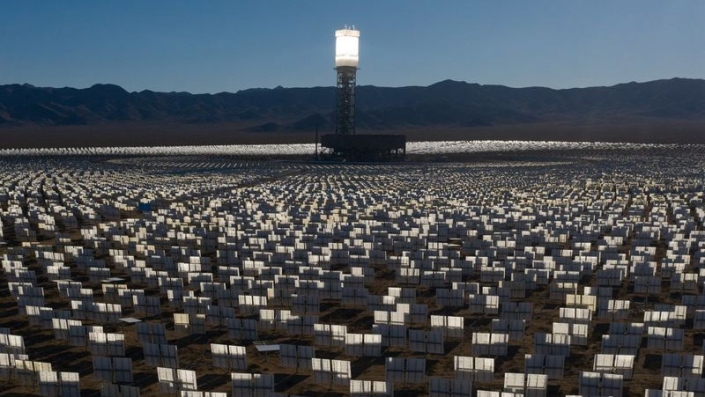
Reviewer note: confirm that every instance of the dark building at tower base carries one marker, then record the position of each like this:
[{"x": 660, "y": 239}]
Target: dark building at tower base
[{"x": 363, "y": 147}]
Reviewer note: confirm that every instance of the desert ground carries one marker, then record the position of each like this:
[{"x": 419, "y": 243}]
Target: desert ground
[
  {"x": 156, "y": 134},
  {"x": 559, "y": 230}
]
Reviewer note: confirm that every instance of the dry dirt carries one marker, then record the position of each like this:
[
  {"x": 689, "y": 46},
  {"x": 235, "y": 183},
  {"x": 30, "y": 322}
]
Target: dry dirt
[
  {"x": 194, "y": 351},
  {"x": 153, "y": 134}
]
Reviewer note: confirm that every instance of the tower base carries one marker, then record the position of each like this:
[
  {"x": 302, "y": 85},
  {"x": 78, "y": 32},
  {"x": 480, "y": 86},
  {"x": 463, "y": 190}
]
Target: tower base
[{"x": 363, "y": 147}]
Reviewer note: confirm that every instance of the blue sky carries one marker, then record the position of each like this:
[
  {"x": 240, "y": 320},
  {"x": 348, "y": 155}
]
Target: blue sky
[{"x": 214, "y": 46}]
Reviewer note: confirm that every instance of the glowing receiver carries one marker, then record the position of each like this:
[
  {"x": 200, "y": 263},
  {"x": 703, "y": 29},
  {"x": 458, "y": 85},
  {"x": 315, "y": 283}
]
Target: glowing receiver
[{"x": 347, "y": 47}]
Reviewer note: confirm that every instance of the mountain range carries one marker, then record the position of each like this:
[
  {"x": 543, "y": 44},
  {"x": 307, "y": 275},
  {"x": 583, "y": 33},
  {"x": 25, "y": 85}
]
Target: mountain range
[{"x": 447, "y": 103}]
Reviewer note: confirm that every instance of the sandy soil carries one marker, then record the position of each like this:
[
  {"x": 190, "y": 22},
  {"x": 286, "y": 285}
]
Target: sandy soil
[
  {"x": 194, "y": 351},
  {"x": 147, "y": 134}
]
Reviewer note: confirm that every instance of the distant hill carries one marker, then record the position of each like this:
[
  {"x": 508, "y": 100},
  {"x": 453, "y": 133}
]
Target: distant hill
[{"x": 447, "y": 103}]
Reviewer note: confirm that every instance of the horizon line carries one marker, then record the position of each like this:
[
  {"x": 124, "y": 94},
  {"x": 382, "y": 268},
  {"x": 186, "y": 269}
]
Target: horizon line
[{"x": 362, "y": 85}]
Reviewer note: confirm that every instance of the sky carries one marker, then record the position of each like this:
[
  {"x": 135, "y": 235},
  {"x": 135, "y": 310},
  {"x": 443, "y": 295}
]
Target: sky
[{"x": 215, "y": 46}]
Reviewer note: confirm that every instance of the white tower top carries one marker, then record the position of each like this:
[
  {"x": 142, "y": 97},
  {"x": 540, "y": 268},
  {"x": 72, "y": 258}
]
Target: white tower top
[{"x": 347, "y": 47}]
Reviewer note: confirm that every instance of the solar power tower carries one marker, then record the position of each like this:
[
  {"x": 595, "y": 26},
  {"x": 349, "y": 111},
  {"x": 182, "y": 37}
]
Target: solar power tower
[
  {"x": 345, "y": 144},
  {"x": 347, "y": 46}
]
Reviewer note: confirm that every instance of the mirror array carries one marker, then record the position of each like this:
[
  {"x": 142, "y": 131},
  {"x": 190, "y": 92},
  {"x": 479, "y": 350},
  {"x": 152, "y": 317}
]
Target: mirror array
[{"x": 578, "y": 273}]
